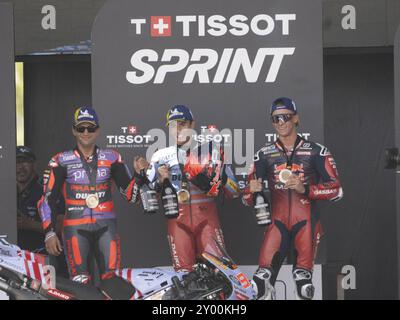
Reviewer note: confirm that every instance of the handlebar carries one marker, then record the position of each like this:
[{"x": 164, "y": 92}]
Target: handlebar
[{"x": 11, "y": 275}]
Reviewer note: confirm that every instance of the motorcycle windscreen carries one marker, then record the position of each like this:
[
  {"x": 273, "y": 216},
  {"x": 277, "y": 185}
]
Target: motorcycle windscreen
[{"x": 218, "y": 251}]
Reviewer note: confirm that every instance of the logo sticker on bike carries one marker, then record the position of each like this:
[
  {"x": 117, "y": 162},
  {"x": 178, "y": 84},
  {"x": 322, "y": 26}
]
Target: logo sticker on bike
[{"x": 243, "y": 280}]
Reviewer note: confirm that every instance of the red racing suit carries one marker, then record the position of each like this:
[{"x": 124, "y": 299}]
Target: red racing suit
[
  {"x": 197, "y": 225},
  {"x": 293, "y": 216},
  {"x": 87, "y": 232}
]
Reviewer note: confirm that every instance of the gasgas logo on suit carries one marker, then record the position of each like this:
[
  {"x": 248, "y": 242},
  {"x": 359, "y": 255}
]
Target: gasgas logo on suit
[{"x": 205, "y": 64}]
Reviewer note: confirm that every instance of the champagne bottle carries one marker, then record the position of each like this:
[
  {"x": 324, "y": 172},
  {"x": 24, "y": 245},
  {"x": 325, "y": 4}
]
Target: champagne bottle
[
  {"x": 262, "y": 209},
  {"x": 261, "y": 205},
  {"x": 147, "y": 195},
  {"x": 169, "y": 200}
]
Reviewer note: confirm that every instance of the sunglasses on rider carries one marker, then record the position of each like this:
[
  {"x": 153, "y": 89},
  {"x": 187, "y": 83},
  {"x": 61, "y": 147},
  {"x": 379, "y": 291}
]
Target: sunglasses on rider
[
  {"x": 90, "y": 129},
  {"x": 282, "y": 117}
]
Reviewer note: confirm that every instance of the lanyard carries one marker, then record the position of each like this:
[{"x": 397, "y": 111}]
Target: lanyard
[
  {"x": 289, "y": 160},
  {"x": 90, "y": 168}
]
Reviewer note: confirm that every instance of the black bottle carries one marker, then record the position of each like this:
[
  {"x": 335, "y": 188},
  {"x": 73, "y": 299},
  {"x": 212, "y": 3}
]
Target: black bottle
[
  {"x": 169, "y": 200},
  {"x": 147, "y": 195}
]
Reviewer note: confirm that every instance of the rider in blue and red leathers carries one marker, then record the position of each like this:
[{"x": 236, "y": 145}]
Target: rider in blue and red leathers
[
  {"x": 87, "y": 231},
  {"x": 294, "y": 218}
]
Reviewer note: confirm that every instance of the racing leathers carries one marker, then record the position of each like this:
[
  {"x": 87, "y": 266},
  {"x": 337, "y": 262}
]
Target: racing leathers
[
  {"x": 294, "y": 218},
  {"x": 197, "y": 225},
  {"x": 89, "y": 230}
]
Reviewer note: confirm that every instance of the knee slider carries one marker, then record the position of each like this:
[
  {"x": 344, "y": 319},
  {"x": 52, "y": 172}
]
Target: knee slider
[
  {"x": 82, "y": 278},
  {"x": 304, "y": 286}
]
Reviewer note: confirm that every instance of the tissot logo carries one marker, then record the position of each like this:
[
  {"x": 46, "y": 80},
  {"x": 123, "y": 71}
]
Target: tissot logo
[
  {"x": 128, "y": 137},
  {"x": 216, "y": 25},
  {"x": 206, "y": 64}
]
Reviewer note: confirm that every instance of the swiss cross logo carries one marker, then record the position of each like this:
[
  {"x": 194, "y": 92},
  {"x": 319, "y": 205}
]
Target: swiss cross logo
[
  {"x": 132, "y": 129},
  {"x": 212, "y": 127},
  {"x": 161, "y": 26}
]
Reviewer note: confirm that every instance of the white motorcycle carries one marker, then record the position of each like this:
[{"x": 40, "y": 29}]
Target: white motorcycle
[{"x": 26, "y": 276}]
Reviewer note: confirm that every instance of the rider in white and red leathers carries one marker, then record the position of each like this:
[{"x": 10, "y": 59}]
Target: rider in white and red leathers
[{"x": 197, "y": 224}]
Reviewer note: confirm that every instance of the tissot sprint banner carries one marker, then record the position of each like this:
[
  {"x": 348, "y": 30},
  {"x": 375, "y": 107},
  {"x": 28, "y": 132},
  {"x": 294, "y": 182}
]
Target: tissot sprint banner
[
  {"x": 8, "y": 199},
  {"x": 226, "y": 60}
]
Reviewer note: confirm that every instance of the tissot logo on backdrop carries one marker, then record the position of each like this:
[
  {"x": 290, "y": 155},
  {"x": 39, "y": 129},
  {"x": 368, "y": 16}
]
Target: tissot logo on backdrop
[
  {"x": 226, "y": 60},
  {"x": 264, "y": 45},
  {"x": 128, "y": 137},
  {"x": 271, "y": 137},
  {"x": 215, "y": 25},
  {"x": 210, "y": 133},
  {"x": 217, "y": 66}
]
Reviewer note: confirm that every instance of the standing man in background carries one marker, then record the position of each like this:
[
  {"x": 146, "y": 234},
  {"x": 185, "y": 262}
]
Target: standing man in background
[{"x": 29, "y": 192}]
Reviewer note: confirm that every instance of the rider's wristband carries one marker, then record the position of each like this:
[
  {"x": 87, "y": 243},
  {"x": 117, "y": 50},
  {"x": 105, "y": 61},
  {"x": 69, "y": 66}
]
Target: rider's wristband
[
  {"x": 49, "y": 228},
  {"x": 49, "y": 235}
]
